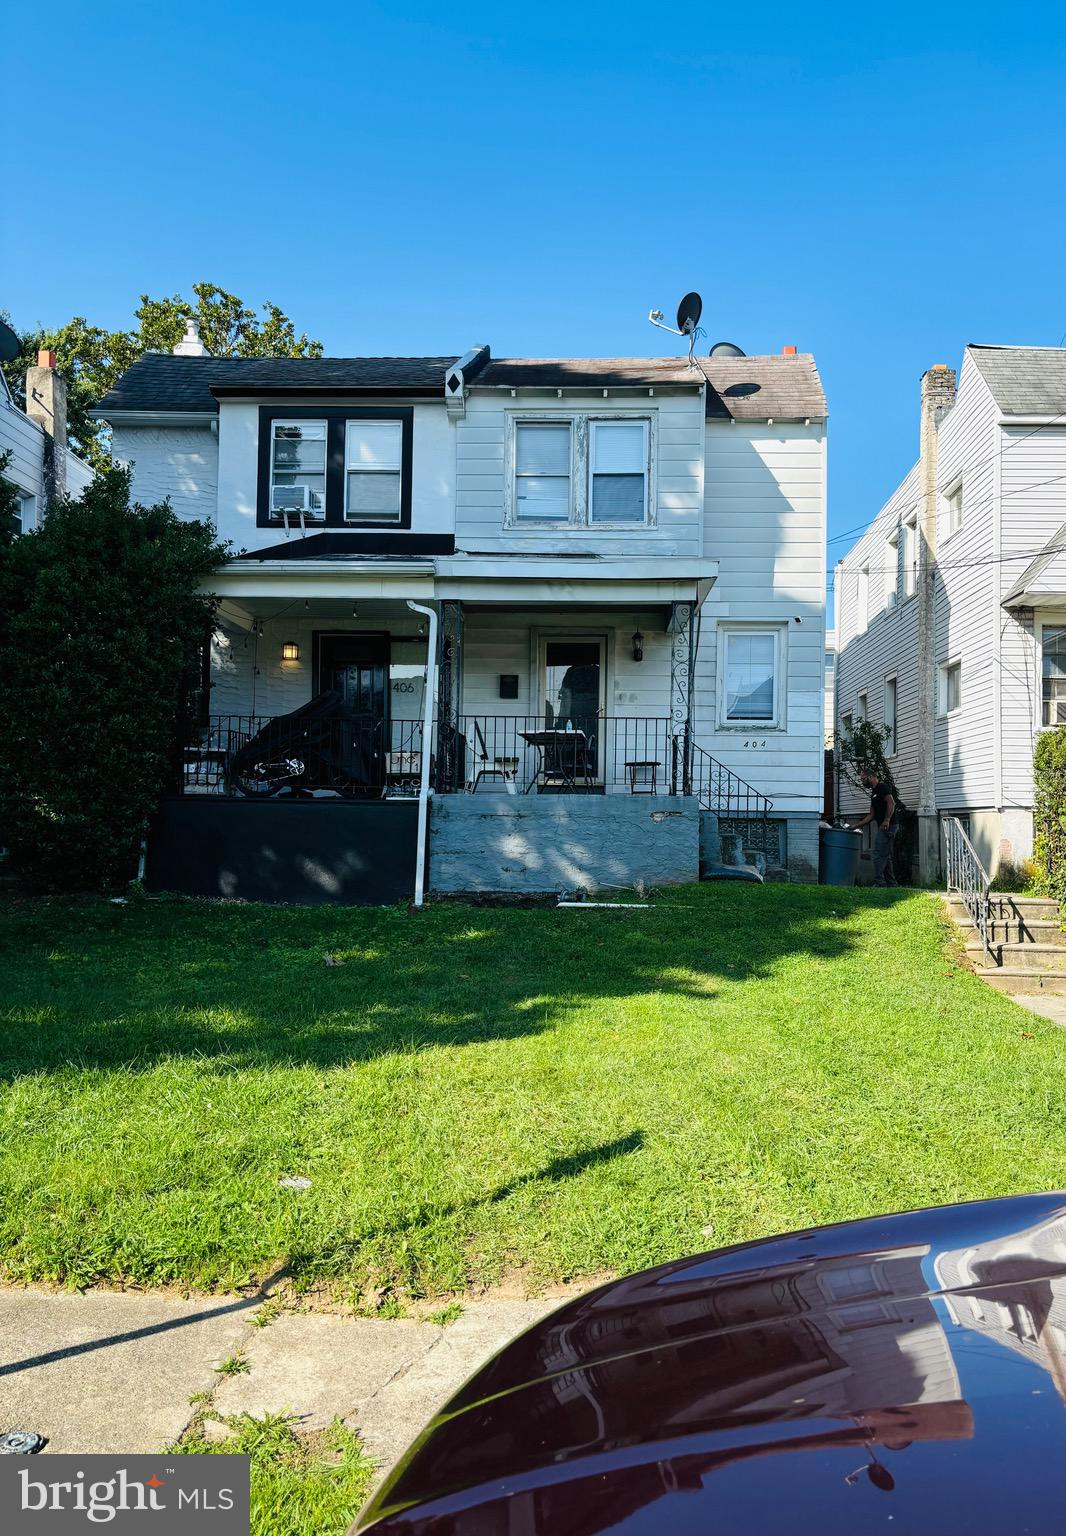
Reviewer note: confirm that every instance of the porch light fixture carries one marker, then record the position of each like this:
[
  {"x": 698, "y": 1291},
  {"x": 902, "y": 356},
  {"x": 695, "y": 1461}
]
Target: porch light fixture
[
  {"x": 638, "y": 645},
  {"x": 290, "y": 651}
]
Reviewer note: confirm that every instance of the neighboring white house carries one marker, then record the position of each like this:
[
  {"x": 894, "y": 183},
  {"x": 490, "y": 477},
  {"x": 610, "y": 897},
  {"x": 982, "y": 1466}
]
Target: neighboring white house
[
  {"x": 951, "y": 607},
  {"x": 40, "y": 464},
  {"x": 627, "y": 553}
]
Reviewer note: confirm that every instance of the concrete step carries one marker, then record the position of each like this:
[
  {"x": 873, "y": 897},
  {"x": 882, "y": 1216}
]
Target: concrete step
[
  {"x": 1006, "y": 908},
  {"x": 1022, "y": 983},
  {"x": 1029, "y": 930},
  {"x": 1019, "y": 957}
]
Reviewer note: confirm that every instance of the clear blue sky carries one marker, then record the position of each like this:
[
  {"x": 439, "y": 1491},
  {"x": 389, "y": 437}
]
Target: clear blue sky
[{"x": 878, "y": 185}]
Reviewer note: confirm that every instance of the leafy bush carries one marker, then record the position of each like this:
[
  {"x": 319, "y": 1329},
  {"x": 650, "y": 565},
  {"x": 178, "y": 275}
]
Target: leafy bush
[
  {"x": 1015, "y": 878},
  {"x": 101, "y": 625},
  {"x": 1049, "y": 811},
  {"x": 862, "y": 750}
]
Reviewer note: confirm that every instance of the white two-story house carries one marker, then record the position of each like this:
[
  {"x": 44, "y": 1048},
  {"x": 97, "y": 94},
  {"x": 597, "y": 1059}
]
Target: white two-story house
[
  {"x": 619, "y": 563},
  {"x": 951, "y": 606}
]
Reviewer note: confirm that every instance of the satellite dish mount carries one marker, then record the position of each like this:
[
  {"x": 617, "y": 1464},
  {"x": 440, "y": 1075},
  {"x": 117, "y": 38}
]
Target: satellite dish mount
[{"x": 688, "y": 321}]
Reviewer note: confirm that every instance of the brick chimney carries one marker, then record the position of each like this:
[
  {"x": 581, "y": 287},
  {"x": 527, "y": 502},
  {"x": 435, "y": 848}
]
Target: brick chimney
[{"x": 46, "y": 404}]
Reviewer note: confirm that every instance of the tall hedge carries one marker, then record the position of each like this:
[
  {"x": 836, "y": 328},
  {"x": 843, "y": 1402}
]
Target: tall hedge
[
  {"x": 101, "y": 625},
  {"x": 1049, "y": 811}
]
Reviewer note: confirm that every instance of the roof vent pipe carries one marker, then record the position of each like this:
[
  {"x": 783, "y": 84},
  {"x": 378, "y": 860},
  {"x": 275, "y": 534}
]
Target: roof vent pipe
[{"x": 190, "y": 344}]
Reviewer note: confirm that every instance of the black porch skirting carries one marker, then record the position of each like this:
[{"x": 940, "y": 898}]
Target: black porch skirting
[{"x": 308, "y": 852}]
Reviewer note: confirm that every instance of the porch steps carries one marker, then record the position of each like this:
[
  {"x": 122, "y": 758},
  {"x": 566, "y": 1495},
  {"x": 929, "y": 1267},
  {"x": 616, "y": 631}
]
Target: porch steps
[{"x": 1027, "y": 940}]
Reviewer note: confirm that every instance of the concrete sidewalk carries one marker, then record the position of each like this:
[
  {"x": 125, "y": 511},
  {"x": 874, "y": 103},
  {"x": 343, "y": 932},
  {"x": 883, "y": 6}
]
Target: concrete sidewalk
[{"x": 115, "y": 1372}]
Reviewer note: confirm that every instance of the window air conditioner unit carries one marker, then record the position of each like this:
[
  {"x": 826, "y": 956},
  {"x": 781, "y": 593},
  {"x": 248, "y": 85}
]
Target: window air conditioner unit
[{"x": 295, "y": 499}]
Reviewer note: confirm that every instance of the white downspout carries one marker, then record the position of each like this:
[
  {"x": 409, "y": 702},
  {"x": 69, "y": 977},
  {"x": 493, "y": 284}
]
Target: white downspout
[{"x": 427, "y": 746}]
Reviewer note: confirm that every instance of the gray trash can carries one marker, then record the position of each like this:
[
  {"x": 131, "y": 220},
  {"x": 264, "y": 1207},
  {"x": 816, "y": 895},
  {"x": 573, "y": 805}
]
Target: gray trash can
[{"x": 838, "y": 856}]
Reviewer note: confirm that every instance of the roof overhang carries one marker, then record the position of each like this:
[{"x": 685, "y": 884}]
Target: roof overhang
[{"x": 154, "y": 418}]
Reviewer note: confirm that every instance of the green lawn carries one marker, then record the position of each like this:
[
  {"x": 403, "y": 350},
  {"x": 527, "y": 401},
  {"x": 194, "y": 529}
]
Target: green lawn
[{"x": 476, "y": 1092}]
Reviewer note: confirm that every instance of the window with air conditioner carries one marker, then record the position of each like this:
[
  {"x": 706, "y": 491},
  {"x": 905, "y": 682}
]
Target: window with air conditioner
[
  {"x": 298, "y": 469},
  {"x": 373, "y": 453}
]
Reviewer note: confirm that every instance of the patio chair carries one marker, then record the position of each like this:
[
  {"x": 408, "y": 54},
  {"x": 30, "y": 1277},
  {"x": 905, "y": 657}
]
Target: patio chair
[{"x": 501, "y": 765}]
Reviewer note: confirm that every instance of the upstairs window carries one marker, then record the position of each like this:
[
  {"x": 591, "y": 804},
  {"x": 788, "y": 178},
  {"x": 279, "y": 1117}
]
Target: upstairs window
[
  {"x": 950, "y": 690},
  {"x": 863, "y": 707},
  {"x": 953, "y": 510},
  {"x": 910, "y": 555},
  {"x": 892, "y": 569},
  {"x": 864, "y": 599},
  {"x": 890, "y": 716},
  {"x": 372, "y": 471},
  {"x": 298, "y": 468},
  {"x": 618, "y": 472},
  {"x": 542, "y": 471}
]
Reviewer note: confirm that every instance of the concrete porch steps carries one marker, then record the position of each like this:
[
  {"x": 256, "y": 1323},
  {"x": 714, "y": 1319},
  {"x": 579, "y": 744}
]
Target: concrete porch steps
[{"x": 1028, "y": 945}]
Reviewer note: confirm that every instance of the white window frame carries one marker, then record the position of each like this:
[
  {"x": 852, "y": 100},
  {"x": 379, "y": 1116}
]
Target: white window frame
[
  {"x": 862, "y": 705},
  {"x": 911, "y": 561},
  {"x": 863, "y": 598},
  {"x": 780, "y": 637},
  {"x": 1042, "y": 625},
  {"x": 317, "y": 515},
  {"x": 385, "y": 519},
  {"x": 847, "y": 722},
  {"x": 891, "y": 686},
  {"x": 954, "y": 509},
  {"x": 892, "y": 568},
  {"x": 580, "y": 423},
  {"x": 595, "y": 423},
  {"x": 943, "y": 712}
]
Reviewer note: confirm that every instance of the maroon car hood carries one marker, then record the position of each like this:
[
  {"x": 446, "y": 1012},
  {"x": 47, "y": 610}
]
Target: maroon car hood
[{"x": 903, "y": 1373}]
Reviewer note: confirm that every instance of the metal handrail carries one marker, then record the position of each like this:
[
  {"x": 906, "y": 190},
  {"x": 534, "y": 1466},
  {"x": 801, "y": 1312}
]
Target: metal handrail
[{"x": 967, "y": 876}]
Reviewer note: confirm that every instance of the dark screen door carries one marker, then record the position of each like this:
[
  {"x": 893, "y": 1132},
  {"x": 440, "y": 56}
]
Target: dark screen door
[{"x": 357, "y": 666}]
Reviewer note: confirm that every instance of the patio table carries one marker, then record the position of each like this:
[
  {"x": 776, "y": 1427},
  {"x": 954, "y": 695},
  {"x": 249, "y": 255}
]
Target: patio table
[{"x": 562, "y": 755}]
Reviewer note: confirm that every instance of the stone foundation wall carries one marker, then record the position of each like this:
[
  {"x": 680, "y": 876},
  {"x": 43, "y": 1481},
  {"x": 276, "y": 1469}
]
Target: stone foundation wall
[{"x": 565, "y": 843}]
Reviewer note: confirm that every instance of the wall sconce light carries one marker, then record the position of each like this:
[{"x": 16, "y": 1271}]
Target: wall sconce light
[
  {"x": 638, "y": 645},
  {"x": 290, "y": 651}
]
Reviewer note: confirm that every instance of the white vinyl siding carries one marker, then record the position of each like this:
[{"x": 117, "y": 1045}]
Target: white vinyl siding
[
  {"x": 618, "y": 472},
  {"x": 863, "y": 609},
  {"x": 542, "y": 471},
  {"x": 372, "y": 471}
]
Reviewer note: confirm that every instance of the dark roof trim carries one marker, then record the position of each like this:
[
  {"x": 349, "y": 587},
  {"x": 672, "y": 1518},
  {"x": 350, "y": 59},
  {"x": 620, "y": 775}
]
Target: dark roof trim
[
  {"x": 352, "y": 546},
  {"x": 323, "y": 392}
]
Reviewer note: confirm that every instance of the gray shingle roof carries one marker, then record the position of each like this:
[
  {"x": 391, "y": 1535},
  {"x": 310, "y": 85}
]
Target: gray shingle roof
[
  {"x": 786, "y": 387},
  {"x": 158, "y": 381},
  {"x": 1025, "y": 381},
  {"x": 745, "y": 388}
]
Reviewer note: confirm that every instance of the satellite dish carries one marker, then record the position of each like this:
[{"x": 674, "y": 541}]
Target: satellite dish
[
  {"x": 725, "y": 349},
  {"x": 10, "y": 346},
  {"x": 688, "y": 313}
]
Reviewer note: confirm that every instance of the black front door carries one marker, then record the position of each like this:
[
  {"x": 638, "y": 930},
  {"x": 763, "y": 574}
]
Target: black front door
[{"x": 357, "y": 666}]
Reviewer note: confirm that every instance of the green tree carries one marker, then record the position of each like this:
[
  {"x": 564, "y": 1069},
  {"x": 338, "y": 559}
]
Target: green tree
[
  {"x": 92, "y": 358},
  {"x": 102, "y": 621},
  {"x": 862, "y": 750}
]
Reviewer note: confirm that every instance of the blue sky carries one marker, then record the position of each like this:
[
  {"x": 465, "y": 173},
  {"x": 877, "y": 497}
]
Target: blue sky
[{"x": 878, "y": 185}]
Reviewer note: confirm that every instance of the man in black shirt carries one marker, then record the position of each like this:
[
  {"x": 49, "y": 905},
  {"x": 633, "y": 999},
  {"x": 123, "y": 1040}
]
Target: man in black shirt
[{"x": 883, "y": 812}]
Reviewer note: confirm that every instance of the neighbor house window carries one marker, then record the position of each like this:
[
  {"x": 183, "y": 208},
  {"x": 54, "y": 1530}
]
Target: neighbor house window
[
  {"x": 1053, "y": 666},
  {"x": 950, "y": 687},
  {"x": 910, "y": 555},
  {"x": 892, "y": 568},
  {"x": 542, "y": 471},
  {"x": 846, "y": 724},
  {"x": 864, "y": 598},
  {"x": 953, "y": 510},
  {"x": 372, "y": 471},
  {"x": 862, "y": 708},
  {"x": 890, "y": 715},
  {"x": 618, "y": 472},
  {"x": 750, "y": 667},
  {"x": 298, "y": 468}
]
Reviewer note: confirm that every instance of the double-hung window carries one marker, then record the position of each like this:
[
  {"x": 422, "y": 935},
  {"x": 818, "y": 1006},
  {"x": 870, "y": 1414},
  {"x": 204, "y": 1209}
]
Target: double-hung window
[
  {"x": 298, "y": 468},
  {"x": 910, "y": 555},
  {"x": 751, "y": 684},
  {"x": 372, "y": 471},
  {"x": 892, "y": 568},
  {"x": 1053, "y": 668},
  {"x": 950, "y": 688},
  {"x": 542, "y": 455},
  {"x": 953, "y": 510},
  {"x": 618, "y": 472}
]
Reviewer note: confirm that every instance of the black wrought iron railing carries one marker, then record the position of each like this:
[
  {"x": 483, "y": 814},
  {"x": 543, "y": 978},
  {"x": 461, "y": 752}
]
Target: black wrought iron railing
[
  {"x": 308, "y": 754},
  {"x": 968, "y": 879}
]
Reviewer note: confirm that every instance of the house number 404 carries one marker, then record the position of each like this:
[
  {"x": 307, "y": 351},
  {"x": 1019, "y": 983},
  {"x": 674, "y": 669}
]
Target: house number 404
[{"x": 754, "y": 743}]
